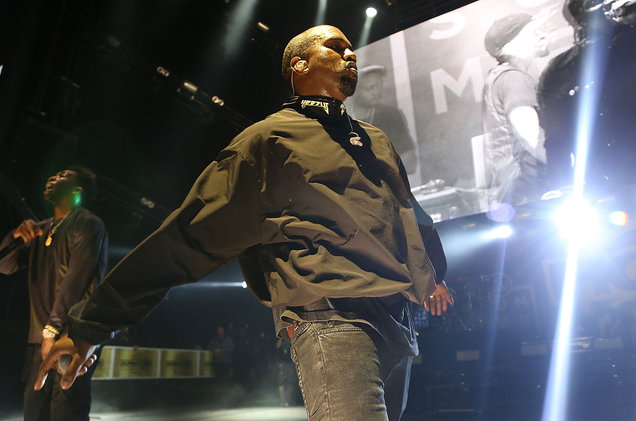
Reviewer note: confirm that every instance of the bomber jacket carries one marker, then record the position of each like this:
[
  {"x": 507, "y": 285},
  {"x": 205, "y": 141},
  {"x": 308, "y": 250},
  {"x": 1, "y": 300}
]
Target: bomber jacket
[{"x": 308, "y": 213}]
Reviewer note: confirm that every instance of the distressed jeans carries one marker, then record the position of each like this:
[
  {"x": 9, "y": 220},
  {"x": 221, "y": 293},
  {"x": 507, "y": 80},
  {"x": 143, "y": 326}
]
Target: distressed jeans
[{"x": 347, "y": 373}]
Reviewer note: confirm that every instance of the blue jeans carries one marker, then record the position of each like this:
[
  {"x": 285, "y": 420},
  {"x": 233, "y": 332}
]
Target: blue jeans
[{"x": 346, "y": 372}]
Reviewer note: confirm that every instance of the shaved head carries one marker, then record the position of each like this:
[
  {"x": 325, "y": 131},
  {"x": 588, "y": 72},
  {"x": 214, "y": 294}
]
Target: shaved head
[
  {"x": 320, "y": 61},
  {"x": 299, "y": 47}
]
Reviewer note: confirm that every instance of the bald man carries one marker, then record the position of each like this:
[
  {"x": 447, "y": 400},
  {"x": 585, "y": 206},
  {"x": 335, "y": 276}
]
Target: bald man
[{"x": 318, "y": 210}]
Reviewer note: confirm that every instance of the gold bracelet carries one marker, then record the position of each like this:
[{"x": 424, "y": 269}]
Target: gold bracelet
[
  {"x": 52, "y": 330},
  {"x": 47, "y": 334}
]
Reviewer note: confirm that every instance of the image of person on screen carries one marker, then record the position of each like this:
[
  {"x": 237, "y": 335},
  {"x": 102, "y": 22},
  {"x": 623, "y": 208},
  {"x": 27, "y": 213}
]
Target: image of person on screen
[
  {"x": 316, "y": 207},
  {"x": 514, "y": 151},
  {"x": 65, "y": 257},
  {"x": 597, "y": 71},
  {"x": 369, "y": 104}
]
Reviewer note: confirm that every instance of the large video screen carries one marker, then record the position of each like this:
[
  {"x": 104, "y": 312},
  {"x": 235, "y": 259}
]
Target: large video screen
[{"x": 483, "y": 102}]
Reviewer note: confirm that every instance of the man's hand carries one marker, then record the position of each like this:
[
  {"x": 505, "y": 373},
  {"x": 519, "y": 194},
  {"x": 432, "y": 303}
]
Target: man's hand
[
  {"x": 27, "y": 230},
  {"x": 438, "y": 302},
  {"x": 83, "y": 357}
]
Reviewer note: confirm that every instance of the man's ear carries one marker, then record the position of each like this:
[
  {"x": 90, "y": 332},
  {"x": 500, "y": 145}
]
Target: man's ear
[
  {"x": 76, "y": 194},
  {"x": 299, "y": 65}
]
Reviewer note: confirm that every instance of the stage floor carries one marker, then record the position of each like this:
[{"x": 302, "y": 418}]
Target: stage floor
[
  {"x": 239, "y": 414},
  {"x": 297, "y": 413}
]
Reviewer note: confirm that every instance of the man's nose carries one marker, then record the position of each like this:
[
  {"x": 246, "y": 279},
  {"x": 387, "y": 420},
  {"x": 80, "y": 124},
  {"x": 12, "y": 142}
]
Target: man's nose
[{"x": 350, "y": 55}]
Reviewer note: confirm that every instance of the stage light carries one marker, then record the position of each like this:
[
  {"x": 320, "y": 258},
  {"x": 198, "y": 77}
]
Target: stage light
[
  {"x": 502, "y": 231},
  {"x": 619, "y": 218},
  {"x": 163, "y": 71},
  {"x": 190, "y": 87},
  {"x": 187, "y": 89},
  {"x": 554, "y": 408},
  {"x": 244, "y": 284},
  {"x": 147, "y": 203},
  {"x": 263, "y": 27},
  {"x": 218, "y": 101},
  {"x": 366, "y": 29},
  {"x": 322, "y": 11},
  {"x": 577, "y": 221},
  {"x": 239, "y": 21}
]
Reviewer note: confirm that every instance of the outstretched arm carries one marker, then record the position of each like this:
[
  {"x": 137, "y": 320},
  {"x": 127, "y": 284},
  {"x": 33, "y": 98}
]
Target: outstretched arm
[{"x": 216, "y": 222}]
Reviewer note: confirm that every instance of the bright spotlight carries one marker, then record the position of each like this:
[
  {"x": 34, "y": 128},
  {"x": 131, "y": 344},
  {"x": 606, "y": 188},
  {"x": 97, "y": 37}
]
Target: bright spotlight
[
  {"x": 240, "y": 19},
  {"x": 502, "y": 231},
  {"x": 244, "y": 284},
  {"x": 577, "y": 221},
  {"x": 366, "y": 29}
]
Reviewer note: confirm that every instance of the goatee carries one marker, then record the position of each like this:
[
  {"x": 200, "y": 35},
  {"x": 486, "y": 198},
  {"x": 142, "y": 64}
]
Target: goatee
[{"x": 348, "y": 85}]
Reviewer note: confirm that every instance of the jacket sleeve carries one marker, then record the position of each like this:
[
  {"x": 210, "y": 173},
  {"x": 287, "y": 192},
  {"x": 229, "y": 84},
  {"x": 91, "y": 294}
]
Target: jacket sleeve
[
  {"x": 430, "y": 237},
  {"x": 432, "y": 242},
  {"x": 88, "y": 241},
  {"x": 218, "y": 220}
]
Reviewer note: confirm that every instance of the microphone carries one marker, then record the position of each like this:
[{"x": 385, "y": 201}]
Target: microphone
[
  {"x": 17, "y": 242},
  {"x": 64, "y": 362}
]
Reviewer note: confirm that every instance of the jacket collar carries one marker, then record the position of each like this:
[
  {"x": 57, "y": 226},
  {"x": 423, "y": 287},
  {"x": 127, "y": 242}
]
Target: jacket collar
[{"x": 317, "y": 106}]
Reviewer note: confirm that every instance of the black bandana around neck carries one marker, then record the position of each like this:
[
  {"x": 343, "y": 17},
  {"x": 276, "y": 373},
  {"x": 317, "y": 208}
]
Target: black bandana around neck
[
  {"x": 328, "y": 111},
  {"x": 317, "y": 106},
  {"x": 333, "y": 117}
]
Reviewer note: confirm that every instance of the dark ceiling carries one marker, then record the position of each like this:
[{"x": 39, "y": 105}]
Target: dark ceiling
[{"x": 101, "y": 83}]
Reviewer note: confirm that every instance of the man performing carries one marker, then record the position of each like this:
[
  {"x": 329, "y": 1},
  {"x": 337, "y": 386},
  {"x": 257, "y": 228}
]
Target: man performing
[
  {"x": 515, "y": 155},
  {"x": 318, "y": 209},
  {"x": 66, "y": 257}
]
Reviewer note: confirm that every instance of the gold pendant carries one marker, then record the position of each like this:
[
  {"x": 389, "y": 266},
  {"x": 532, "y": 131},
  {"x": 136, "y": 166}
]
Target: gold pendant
[{"x": 48, "y": 241}]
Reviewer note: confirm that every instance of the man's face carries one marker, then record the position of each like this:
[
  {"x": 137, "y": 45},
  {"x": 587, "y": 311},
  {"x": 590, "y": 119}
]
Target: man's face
[
  {"x": 332, "y": 63},
  {"x": 531, "y": 42},
  {"x": 60, "y": 185}
]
